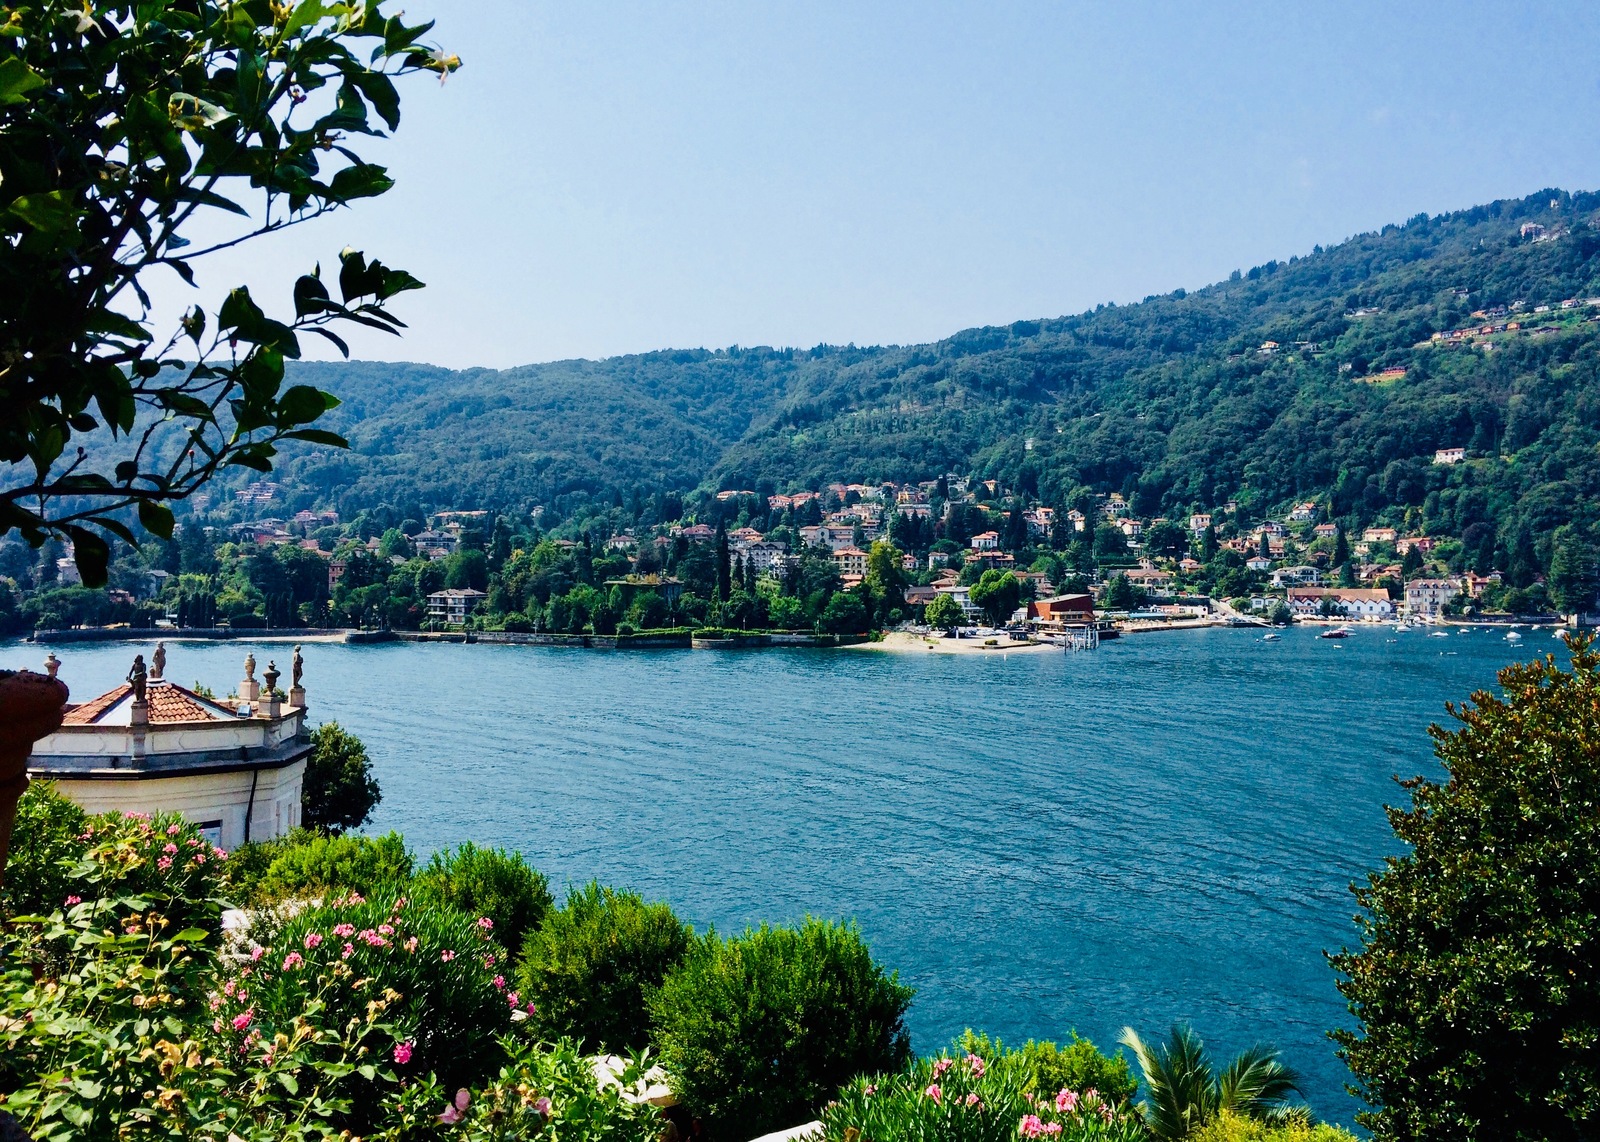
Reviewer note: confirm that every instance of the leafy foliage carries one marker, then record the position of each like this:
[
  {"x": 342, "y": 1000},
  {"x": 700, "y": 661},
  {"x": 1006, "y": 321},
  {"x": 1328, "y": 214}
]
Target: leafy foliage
[
  {"x": 1047, "y": 1067},
  {"x": 1476, "y": 983},
  {"x": 968, "y": 1099},
  {"x": 339, "y": 791},
  {"x": 305, "y": 864},
  {"x": 758, "y": 1031},
  {"x": 123, "y": 125},
  {"x": 1185, "y": 1092},
  {"x": 1230, "y": 1127},
  {"x": 46, "y": 843},
  {"x": 487, "y": 882},
  {"x": 594, "y": 965}
]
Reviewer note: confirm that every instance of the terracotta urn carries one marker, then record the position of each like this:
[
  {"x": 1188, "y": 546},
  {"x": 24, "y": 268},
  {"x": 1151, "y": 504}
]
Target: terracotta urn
[{"x": 31, "y": 706}]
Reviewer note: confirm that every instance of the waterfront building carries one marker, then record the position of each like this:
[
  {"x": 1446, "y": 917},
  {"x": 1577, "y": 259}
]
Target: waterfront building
[
  {"x": 234, "y": 767},
  {"x": 452, "y": 605},
  {"x": 1430, "y": 596},
  {"x": 1369, "y": 603}
]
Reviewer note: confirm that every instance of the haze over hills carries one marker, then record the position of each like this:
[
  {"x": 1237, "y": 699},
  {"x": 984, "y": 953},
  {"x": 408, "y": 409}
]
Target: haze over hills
[{"x": 1279, "y": 384}]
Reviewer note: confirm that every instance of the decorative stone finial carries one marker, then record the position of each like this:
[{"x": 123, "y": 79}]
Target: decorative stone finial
[
  {"x": 270, "y": 676},
  {"x": 137, "y": 678},
  {"x": 158, "y": 661},
  {"x": 52, "y": 664}
]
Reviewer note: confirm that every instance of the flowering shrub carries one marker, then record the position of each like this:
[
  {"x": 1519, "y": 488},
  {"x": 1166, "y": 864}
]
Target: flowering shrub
[
  {"x": 488, "y": 882},
  {"x": 546, "y": 1091},
  {"x": 963, "y": 1099},
  {"x": 46, "y": 841},
  {"x": 430, "y": 981},
  {"x": 592, "y": 966},
  {"x": 1047, "y": 1067},
  {"x": 309, "y": 864},
  {"x": 760, "y": 1030}
]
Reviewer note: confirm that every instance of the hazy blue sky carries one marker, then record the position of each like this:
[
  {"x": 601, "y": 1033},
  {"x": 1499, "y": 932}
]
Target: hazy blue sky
[{"x": 607, "y": 178}]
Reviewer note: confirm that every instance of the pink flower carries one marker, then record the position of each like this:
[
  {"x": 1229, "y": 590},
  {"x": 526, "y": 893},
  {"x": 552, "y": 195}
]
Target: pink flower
[
  {"x": 485, "y": 923},
  {"x": 199, "y": 858},
  {"x": 488, "y": 961},
  {"x": 402, "y": 1052},
  {"x": 514, "y": 999},
  {"x": 385, "y": 930},
  {"x": 242, "y": 1020},
  {"x": 1066, "y": 1101},
  {"x": 227, "y": 988},
  {"x": 499, "y": 982},
  {"x": 446, "y": 956},
  {"x": 934, "y": 1092},
  {"x": 871, "y": 1090},
  {"x": 164, "y": 863},
  {"x": 219, "y": 854},
  {"x": 256, "y": 953},
  {"x": 169, "y": 847},
  {"x": 174, "y": 830},
  {"x": 1030, "y": 1126},
  {"x": 342, "y": 930},
  {"x": 313, "y": 939},
  {"x": 972, "y": 1099},
  {"x": 349, "y": 950},
  {"x": 292, "y": 961},
  {"x": 71, "y": 900},
  {"x": 975, "y": 1065},
  {"x": 411, "y": 944},
  {"x": 454, "y": 1111},
  {"x": 940, "y": 1066},
  {"x": 543, "y": 1106},
  {"x": 216, "y": 1025},
  {"x": 532, "y": 1007}
]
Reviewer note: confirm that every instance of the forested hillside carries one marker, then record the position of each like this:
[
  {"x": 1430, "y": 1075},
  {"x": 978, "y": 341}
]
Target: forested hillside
[{"x": 1172, "y": 401}]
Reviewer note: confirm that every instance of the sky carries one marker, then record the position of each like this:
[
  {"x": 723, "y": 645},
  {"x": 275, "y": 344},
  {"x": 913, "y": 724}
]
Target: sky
[{"x": 612, "y": 178}]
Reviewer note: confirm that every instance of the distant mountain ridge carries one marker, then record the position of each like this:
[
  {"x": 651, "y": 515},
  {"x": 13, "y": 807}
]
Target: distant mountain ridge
[{"x": 1173, "y": 400}]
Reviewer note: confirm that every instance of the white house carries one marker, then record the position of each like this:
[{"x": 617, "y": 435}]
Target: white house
[
  {"x": 1370, "y": 603},
  {"x": 235, "y": 767},
  {"x": 1449, "y": 455},
  {"x": 452, "y": 605},
  {"x": 1430, "y": 596}
]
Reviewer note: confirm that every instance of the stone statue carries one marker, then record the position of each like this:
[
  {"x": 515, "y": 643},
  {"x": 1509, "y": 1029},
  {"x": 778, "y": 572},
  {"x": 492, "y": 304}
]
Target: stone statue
[
  {"x": 158, "y": 661},
  {"x": 52, "y": 664},
  {"x": 295, "y": 669},
  {"x": 249, "y": 667},
  {"x": 137, "y": 677},
  {"x": 270, "y": 677}
]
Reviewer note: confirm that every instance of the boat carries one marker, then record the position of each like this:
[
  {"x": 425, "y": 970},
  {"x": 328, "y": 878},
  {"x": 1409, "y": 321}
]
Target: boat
[
  {"x": 1336, "y": 632},
  {"x": 1513, "y": 636},
  {"x": 1438, "y": 634},
  {"x": 1272, "y": 636}
]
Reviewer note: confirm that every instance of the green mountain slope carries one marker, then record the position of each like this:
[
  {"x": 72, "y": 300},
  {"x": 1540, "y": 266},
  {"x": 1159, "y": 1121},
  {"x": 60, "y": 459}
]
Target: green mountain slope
[{"x": 1170, "y": 400}]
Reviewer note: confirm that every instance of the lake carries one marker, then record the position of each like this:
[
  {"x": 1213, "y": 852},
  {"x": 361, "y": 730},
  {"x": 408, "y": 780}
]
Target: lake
[{"x": 1163, "y": 829}]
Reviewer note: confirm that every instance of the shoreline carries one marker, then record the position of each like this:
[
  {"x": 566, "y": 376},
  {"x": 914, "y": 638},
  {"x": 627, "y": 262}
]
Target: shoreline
[{"x": 904, "y": 642}]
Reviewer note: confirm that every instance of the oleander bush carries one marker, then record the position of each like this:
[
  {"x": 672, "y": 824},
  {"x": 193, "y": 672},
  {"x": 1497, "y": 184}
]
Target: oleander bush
[
  {"x": 1047, "y": 1067},
  {"x": 46, "y": 842},
  {"x": 487, "y": 882},
  {"x": 309, "y": 864},
  {"x": 431, "y": 977},
  {"x": 593, "y": 966},
  {"x": 963, "y": 1098},
  {"x": 545, "y": 1091},
  {"x": 759, "y": 1031}
]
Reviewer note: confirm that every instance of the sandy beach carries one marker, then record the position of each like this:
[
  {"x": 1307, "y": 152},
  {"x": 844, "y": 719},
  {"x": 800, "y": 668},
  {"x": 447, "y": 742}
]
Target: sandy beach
[{"x": 902, "y": 642}]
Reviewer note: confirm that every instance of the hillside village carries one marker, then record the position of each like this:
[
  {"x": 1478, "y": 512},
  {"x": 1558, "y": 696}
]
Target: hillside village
[{"x": 754, "y": 560}]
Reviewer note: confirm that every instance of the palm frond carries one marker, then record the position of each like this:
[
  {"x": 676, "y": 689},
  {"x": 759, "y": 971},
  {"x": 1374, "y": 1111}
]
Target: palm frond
[
  {"x": 1256, "y": 1083},
  {"x": 1180, "y": 1087}
]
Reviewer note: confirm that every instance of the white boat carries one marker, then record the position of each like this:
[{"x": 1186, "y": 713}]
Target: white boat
[
  {"x": 1438, "y": 634},
  {"x": 1336, "y": 632},
  {"x": 1271, "y": 636},
  {"x": 1513, "y": 636}
]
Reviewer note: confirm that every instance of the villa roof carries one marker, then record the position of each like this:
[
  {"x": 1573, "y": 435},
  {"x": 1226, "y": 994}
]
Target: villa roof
[{"x": 168, "y": 703}]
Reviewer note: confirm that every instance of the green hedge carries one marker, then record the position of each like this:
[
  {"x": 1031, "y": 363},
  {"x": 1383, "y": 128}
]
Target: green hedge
[
  {"x": 592, "y": 967},
  {"x": 306, "y": 864},
  {"x": 759, "y": 1031},
  {"x": 494, "y": 883}
]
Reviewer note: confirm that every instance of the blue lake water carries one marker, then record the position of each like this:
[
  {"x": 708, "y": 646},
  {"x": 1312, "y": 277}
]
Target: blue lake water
[{"x": 1163, "y": 829}]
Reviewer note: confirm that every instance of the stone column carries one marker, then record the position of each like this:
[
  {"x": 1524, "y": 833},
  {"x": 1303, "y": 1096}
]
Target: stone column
[{"x": 31, "y": 706}]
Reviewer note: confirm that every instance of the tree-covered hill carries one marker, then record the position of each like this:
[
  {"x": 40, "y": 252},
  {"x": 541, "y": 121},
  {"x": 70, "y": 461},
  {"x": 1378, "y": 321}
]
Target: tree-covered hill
[{"x": 1172, "y": 401}]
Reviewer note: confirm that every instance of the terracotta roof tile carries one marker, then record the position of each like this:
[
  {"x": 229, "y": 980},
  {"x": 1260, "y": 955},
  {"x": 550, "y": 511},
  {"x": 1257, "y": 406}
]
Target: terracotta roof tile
[
  {"x": 168, "y": 703},
  {"x": 86, "y": 713}
]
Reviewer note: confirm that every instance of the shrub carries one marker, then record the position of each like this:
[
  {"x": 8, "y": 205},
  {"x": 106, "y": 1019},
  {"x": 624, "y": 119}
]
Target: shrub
[
  {"x": 625, "y": 630},
  {"x": 758, "y": 1031},
  {"x": 1230, "y": 1127},
  {"x": 1047, "y": 1068},
  {"x": 1479, "y": 975},
  {"x": 488, "y": 882},
  {"x": 308, "y": 864},
  {"x": 46, "y": 842},
  {"x": 429, "y": 980},
  {"x": 595, "y": 963},
  {"x": 543, "y": 1087},
  {"x": 963, "y": 1099},
  {"x": 339, "y": 791}
]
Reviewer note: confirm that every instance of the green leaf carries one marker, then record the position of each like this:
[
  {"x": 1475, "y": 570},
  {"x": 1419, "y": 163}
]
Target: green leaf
[
  {"x": 192, "y": 113},
  {"x": 191, "y": 935},
  {"x": 302, "y": 404},
  {"x": 16, "y": 80},
  {"x": 48, "y": 213},
  {"x": 305, "y": 14},
  {"x": 157, "y": 520},
  {"x": 92, "y": 555},
  {"x": 290, "y": 1083},
  {"x": 367, "y": 1071},
  {"x": 310, "y": 296},
  {"x": 250, "y": 460},
  {"x": 318, "y": 436},
  {"x": 381, "y": 93}
]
